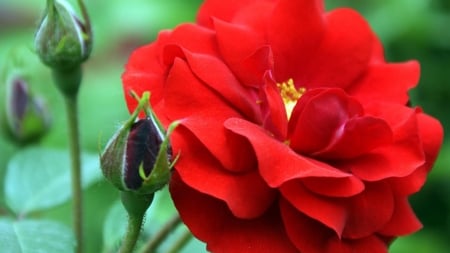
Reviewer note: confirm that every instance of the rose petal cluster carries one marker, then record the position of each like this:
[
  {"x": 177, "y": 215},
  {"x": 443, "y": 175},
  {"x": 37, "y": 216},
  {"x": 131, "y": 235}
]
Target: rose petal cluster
[{"x": 295, "y": 133}]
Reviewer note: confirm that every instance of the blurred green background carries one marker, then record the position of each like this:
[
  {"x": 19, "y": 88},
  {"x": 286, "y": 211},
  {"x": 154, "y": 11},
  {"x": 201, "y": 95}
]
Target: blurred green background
[{"x": 409, "y": 30}]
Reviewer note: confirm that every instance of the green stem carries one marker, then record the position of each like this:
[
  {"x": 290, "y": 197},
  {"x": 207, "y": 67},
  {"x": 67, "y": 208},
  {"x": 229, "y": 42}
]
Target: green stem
[
  {"x": 136, "y": 206},
  {"x": 153, "y": 244},
  {"x": 74, "y": 142},
  {"x": 132, "y": 235},
  {"x": 181, "y": 242}
]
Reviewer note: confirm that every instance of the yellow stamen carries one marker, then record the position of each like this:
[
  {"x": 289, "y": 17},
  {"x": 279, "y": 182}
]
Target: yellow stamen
[{"x": 290, "y": 94}]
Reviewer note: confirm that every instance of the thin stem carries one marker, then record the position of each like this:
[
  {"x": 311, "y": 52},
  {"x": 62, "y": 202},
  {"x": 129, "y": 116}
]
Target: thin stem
[
  {"x": 74, "y": 143},
  {"x": 132, "y": 235},
  {"x": 153, "y": 244},
  {"x": 181, "y": 242}
]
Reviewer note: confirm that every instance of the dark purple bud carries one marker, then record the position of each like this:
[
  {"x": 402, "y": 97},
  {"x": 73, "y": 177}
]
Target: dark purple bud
[
  {"x": 27, "y": 117},
  {"x": 138, "y": 157},
  {"x": 142, "y": 148}
]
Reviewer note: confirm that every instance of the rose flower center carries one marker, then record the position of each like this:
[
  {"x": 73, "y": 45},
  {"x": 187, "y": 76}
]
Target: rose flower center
[{"x": 290, "y": 94}]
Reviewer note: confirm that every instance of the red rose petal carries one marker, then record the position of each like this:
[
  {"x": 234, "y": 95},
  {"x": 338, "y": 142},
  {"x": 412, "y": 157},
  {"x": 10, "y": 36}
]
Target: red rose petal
[
  {"x": 194, "y": 38},
  {"x": 278, "y": 163},
  {"x": 216, "y": 75},
  {"x": 399, "y": 159},
  {"x": 310, "y": 236},
  {"x": 330, "y": 212},
  {"x": 224, "y": 10},
  {"x": 412, "y": 183},
  {"x": 246, "y": 194},
  {"x": 369, "y": 211},
  {"x": 431, "y": 135},
  {"x": 233, "y": 49},
  {"x": 273, "y": 110},
  {"x": 334, "y": 187},
  {"x": 252, "y": 69},
  {"x": 394, "y": 161},
  {"x": 181, "y": 81},
  {"x": 320, "y": 118},
  {"x": 307, "y": 234},
  {"x": 300, "y": 106},
  {"x": 377, "y": 51},
  {"x": 314, "y": 129},
  {"x": 146, "y": 59},
  {"x": 203, "y": 113},
  {"x": 343, "y": 54},
  {"x": 371, "y": 244},
  {"x": 139, "y": 82},
  {"x": 249, "y": 57},
  {"x": 257, "y": 15},
  {"x": 143, "y": 72},
  {"x": 403, "y": 221},
  {"x": 295, "y": 31},
  {"x": 357, "y": 136},
  {"x": 210, "y": 221},
  {"x": 387, "y": 82},
  {"x": 232, "y": 151}
]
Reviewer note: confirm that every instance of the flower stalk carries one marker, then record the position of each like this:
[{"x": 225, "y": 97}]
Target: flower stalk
[
  {"x": 162, "y": 234},
  {"x": 75, "y": 169},
  {"x": 132, "y": 234},
  {"x": 63, "y": 42},
  {"x": 181, "y": 242},
  {"x": 136, "y": 206}
]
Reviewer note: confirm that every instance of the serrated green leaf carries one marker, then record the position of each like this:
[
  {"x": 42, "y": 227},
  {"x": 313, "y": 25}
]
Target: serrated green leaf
[
  {"x": 39, "y": 178},
  {"x": 35, "y": 236}
]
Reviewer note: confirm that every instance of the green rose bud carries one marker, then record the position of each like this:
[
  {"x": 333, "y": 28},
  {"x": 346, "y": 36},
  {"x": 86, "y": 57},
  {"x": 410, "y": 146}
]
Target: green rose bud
[
  {"x": 62, "y": 41},
  {"x": 27, "y": 117},
  {"x": 138, "y": 157}
]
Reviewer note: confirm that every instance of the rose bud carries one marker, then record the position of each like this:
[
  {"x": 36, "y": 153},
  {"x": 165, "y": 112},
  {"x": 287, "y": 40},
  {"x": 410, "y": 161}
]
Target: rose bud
[
  {"x": 62, "y": 41},
  {"x": 27, "y": 117},
  {"x": 138, "y": 156}
]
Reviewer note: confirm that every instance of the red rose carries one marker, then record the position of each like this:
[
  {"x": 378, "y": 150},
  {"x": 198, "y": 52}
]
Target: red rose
[{"x": 295, "y": 133}]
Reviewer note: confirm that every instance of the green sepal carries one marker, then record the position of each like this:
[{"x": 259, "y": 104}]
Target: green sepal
[
  {"x": 112, "y": 160},
  {"x": 161, "y": 172}
]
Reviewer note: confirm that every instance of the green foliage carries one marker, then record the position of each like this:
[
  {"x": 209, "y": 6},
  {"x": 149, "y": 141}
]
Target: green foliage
[
  {"x": 420, "y": 243},
  {"x": 37, "y": 178},
  {"x": 34, "y": 236},
  {"x": 114, "y": 227}
]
